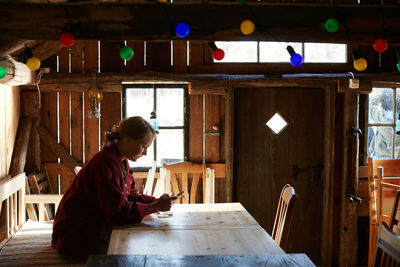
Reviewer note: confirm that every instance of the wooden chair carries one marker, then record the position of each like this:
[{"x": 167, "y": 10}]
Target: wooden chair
[
  {"x": 180, "y": 173},
  {"x": 379, "y": 173},
  {"x": 40, "y": 184},
  {"x": 283, "y": 216},
  {"x": 387, "y": 252},
  {"x": 395, "y": 218}
]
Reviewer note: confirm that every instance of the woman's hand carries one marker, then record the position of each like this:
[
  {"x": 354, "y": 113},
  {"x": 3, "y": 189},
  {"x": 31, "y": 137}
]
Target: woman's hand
[{"x": 164, "y": 203}]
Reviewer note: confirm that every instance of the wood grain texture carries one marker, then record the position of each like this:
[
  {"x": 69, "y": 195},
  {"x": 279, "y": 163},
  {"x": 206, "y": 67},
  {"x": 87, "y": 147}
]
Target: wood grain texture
[
  {"x": 275, "y": 260},
  {"x": 275, "y": 21},
  {"x": 111, "y": 112},
  {"x": 136, "y": 64},
  {"x": 158, "y": 56},
  {"x": 196, "y": 128},
  {"x": 21, "y": 146},
  {"x": 31, "y": 246}
]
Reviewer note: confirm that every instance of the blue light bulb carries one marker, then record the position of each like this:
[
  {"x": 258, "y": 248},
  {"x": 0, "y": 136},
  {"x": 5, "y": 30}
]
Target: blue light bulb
[
  {"x": 182, "y": 29},
  {"x": 296, "y": 59}
]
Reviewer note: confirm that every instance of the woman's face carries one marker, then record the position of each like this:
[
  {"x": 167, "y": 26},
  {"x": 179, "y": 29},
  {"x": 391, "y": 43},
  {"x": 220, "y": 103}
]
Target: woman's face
[{"x": 135, "y": 148}]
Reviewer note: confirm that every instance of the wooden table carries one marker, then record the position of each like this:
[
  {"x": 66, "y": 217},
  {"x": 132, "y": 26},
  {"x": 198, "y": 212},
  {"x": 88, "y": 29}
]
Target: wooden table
[{"x": 195, "y": 229}]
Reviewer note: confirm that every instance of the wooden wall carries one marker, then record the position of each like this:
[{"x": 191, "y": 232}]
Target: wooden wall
[
  {"x": 9, "y": 117},
  {"x": 64, "y": 113}
]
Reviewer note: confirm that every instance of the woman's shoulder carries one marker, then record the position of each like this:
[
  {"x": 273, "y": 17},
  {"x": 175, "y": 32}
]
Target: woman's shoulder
[{"x": 107, "y": 154}]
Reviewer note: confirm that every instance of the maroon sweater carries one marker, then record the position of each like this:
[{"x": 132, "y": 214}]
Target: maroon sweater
[{"x": 99, "y": 197}]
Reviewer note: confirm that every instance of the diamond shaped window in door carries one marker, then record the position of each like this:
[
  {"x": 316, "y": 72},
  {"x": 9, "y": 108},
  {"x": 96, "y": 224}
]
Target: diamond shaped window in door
[{"x": 276, "y": 124}]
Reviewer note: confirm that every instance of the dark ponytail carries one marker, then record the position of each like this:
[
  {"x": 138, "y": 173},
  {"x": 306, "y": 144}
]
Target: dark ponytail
[{"x": 134, "y": 127}]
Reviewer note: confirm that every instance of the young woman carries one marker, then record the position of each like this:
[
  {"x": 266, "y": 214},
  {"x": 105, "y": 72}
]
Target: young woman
[{"x": 103, "y": 193}]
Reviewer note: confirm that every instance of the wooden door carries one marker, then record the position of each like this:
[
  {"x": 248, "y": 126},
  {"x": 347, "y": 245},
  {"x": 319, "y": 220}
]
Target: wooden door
[{"x": 265, "y": 162}]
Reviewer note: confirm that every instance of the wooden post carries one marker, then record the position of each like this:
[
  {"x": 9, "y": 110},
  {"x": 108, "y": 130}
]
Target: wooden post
[
  {"x": 348, "y": 222},
  {"x": 21, "y": 146}
]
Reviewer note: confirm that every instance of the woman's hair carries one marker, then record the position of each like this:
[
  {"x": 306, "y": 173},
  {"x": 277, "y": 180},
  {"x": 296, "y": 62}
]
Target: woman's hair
[{"x": 134, "y": 127}]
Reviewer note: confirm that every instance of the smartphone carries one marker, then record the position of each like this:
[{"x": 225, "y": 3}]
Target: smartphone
[{"x": 180, "y": 194}]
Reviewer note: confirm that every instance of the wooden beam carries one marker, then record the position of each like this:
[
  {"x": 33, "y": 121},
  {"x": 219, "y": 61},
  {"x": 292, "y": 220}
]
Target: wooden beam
[
  {"x": 8, "y": 47},
  {"x": 360, "y": 24},
  {"x": 60, "y": 151},
  {"x": 21, "y": 146},
  {"x": 47, "y": 49}
]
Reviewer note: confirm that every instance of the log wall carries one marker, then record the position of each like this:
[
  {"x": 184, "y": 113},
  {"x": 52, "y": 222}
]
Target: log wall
[{"x": 9, "y": 117}]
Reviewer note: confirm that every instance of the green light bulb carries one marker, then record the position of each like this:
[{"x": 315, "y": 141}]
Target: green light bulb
[
  {"x": 331, "y": 25},
  {"x": 126, "y": 53},
  {"x": 3, "y": 72},
  {"x": 398, "y": 66}
]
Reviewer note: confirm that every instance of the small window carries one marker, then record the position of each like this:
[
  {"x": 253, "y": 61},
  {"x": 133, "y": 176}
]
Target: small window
[
  {"x": 325, "y": 53},
  {"x": 238, "y": 51},
  {"x": 384, "y": 123},
  {"x": 276, "y": 52},
  {"x": 168, "y": 102}
]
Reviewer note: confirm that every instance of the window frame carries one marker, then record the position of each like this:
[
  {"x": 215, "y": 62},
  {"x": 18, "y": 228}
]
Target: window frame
[
  {"x": 258, "y": 62},
  {"x": 186, "y": 109},
  {"x": 394, "y": 87}
]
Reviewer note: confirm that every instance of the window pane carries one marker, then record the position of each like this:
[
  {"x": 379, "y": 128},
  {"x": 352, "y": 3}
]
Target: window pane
[
  {"x": 139, "y": 102},
  {"x": 277, "y": 52},
  {"x": 325, "y": 53},
  {"x": 144, "y": 161},
  {"x": 170, "y": 106},
  {"x": 238, "y": 51},
  {"x": 381, "y": 106},
  {"x": 380, "y": 142},
  {"x": 170, "y": 146}
]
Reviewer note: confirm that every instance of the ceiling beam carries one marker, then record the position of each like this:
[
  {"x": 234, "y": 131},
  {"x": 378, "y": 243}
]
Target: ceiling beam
[{"x": 152, "y": 21}]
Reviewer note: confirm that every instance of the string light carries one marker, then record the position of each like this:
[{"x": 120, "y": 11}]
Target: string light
[
  {"x": 125, "y": 52},
  {"x": 295, "y": 59},
  {"x": 380, "y": 45},
  {"x": 331, "y": 25},
  {"x": 398, "y": 59},
  {"x": 247, "y": 27},
  {"x": 3, "y": 72},
  {"x": 359, "y": 63},
  {"x": 33, "y": 62},
  {"x": 182, "y": 29},
  {"x": 217, "y": 53},
  {"x": 67, "y": 39}
]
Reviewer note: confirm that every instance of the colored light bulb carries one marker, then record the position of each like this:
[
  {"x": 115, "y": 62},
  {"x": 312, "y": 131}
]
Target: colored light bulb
[
  {"x": 218, "y": 54},
  {"x": 360, "y": 64},
  {"x": 3, "y": 72},
  {"x": 380, "y": 45},
  {"x": 126, "y": 53},
  {"x": 398, "y": 66},
  {"x": 296, "y": 60},
  {"x": 331, "y": 25},
  {"x": 33, "y": 63},
  {"x": 182, "y": 29},
  {"x": 247, "y": 27},
  {"x": 67, "y": 39}
]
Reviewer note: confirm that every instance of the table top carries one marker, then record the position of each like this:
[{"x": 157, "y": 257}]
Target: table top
[
  {"x": 195, "y": 229},
  {"x": 198, "y": 216},
  {"x": 272, "y": 260}
]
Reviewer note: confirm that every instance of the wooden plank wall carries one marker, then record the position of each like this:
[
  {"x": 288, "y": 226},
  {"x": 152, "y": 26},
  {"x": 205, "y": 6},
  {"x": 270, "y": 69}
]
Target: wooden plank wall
[
  {"x": 9, "y": 117},
  {"x": 64, "y": 113}
]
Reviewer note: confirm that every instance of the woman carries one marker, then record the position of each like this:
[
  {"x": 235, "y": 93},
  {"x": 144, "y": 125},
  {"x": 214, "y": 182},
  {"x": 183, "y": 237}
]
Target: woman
[{"x": 103, "y": 193}]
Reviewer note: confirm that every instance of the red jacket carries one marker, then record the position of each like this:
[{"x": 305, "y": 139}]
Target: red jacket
[{"x": 99, "y": 197}]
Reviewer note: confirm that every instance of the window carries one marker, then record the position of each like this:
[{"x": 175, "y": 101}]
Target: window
[
  {"x": 384, "y": 123},
  {"x": 275, "y": 52},
  {"x": 169, "y": 103}
]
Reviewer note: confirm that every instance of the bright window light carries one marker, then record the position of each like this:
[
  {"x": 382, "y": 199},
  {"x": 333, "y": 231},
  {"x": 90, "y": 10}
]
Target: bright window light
[
  {"x": 325, "y": 53},
  {"x": 276, "y": 123},
  {"x": 276, "y": 51},
  {"x": 238, "y": 52}
]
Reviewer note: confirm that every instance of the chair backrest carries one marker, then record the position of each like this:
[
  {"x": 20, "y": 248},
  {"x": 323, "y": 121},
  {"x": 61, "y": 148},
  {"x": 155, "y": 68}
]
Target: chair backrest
[
  {"x": 180, "y": 173},
  {"x": 377, "y": 170},
  {"x": 395, "y": 218},
  {"x": 387, "y": 252},
  {"x": 283, "y": 216}
]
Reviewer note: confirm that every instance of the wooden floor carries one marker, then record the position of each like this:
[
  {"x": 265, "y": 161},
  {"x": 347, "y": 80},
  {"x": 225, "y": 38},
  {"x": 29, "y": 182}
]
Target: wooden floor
[{"x": 30, "y": 246}]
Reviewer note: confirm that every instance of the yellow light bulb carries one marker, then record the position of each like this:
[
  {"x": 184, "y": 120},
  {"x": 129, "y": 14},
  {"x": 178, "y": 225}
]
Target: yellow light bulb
[
  {"x": 95, "y": 95},
  {"x": 33, "y": 63},
  {"x": 360, "y": 64},
  {"x": 247, "y": 27}
]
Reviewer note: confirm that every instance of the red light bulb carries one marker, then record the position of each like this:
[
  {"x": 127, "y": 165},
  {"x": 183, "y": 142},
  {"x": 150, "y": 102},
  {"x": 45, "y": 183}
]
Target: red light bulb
[
  {"x": 380, "y": 45},
  {"x": 218, "y": 54},
  {"x": 67, "y": 39}
]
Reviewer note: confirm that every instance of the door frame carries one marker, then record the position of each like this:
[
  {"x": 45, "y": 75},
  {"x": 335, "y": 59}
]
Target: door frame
[{"x": 329, "y": 87}]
